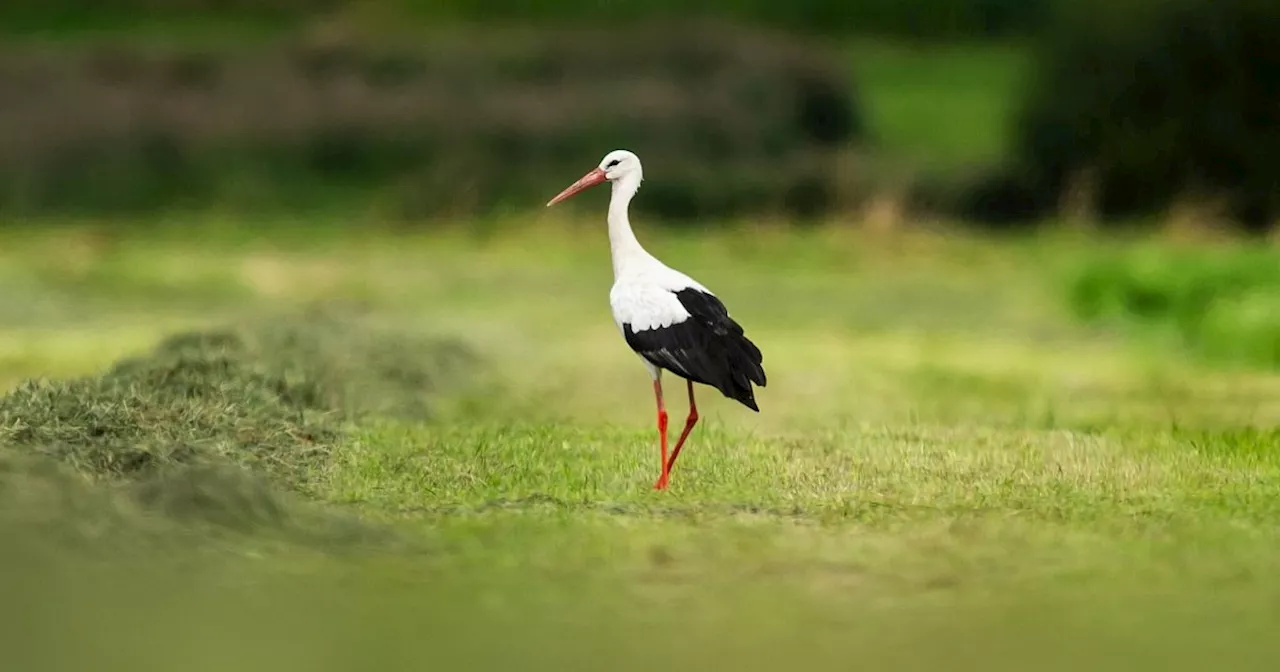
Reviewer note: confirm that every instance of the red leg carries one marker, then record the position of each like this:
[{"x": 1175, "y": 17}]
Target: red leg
[
  {"x": 688, "y": 425},
  {"x": 662, "y": 433}
]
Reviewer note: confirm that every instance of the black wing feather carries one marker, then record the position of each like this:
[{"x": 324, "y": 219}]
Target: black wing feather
[{"x": 709, "y": 348}]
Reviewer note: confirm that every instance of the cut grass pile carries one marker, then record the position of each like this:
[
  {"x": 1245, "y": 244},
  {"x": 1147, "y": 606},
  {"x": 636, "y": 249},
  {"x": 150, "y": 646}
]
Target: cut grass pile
[{"x": 209, "y": 422}]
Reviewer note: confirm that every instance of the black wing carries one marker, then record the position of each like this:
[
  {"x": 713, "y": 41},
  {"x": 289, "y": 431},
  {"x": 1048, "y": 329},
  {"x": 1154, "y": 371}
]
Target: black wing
[{"x": 708, "y": 348}]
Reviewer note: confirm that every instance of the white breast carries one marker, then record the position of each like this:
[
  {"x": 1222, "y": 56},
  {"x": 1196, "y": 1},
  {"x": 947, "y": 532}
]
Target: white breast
[
  {"x": 646, "y": 299},
  {"x": 645, "y": 306}
]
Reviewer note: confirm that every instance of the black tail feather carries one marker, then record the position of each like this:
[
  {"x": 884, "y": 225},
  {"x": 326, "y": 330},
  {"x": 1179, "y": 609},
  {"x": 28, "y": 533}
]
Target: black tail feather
[{"x": 744, "y": 365}]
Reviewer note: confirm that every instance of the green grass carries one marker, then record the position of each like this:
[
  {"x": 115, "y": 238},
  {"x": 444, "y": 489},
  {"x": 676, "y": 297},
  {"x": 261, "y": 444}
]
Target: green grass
[
  {"x": 1220, "y": 302},
  {"x": 948, "y": 472},
  {"x": 940, "y": 106}
]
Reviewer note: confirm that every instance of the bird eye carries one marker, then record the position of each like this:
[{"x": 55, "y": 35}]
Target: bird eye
[{"x": 612, "y": 163}]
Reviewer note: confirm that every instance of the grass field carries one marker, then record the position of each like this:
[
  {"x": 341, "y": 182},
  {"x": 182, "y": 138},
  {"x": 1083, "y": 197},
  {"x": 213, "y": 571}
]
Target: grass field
[{"x": 948, "y": 472}]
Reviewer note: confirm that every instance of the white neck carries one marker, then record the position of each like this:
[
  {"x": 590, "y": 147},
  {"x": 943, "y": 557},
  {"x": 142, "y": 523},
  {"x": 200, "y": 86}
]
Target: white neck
[{"x": 623, "y": 246}]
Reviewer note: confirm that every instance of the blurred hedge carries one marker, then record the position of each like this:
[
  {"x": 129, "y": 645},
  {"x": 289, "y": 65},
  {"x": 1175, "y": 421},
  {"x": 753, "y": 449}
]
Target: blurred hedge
[
  {"x": 1158, "y": 99},
  {"x": 728, "y": 121},
  {"x": 918, "y": 18}
]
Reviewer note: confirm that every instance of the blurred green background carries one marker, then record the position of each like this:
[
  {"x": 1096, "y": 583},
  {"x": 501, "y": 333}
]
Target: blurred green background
[
  {"x": 989, "y": 111},
  {"x": 299, "y": 373}
]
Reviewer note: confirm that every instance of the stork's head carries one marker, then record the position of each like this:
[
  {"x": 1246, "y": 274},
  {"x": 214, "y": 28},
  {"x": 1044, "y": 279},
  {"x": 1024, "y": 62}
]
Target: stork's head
[{"x": 616, "y": 165}]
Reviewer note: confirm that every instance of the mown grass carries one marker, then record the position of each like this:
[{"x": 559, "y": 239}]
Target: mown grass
[{"x": 948, "y": 470}]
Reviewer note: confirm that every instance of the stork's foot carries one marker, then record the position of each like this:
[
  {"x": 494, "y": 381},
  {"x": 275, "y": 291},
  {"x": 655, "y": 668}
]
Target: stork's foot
[{"x": 661, "y": 484}]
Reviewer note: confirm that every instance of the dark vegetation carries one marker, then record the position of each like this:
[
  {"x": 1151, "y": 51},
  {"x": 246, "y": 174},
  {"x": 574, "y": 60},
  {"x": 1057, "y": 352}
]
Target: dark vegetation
[
  {"x": 934, "y": 19},
  {"x": 1142, "y": 104},
  {"x": 939, "y": 18},
  {"x": 211, "y": 423},
  {"x": 1222, "y": 304},
  {"x": 731, "y": 122}
]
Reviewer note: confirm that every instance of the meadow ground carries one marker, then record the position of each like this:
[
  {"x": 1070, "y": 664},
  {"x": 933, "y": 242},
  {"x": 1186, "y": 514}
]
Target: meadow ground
[{"x": 947, "y": 473}]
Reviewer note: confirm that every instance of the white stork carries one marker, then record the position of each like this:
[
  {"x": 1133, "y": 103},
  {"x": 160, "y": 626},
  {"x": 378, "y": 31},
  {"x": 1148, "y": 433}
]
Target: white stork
[{"x": 670, "y": 320}]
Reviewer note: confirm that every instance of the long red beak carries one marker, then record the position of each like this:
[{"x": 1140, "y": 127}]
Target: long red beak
[{"x": 591, "y": 179}]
